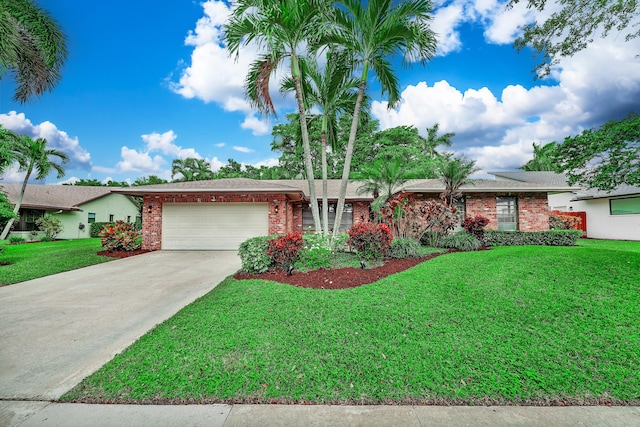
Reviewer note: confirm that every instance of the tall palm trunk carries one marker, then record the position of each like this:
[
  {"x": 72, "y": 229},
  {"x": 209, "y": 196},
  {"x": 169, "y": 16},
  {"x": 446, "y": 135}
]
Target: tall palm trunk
[
  {"x": 315, "y": 212},
  {"x": 325, "y": 202},
  {"x": 5, "y": 231},
  {"x": 349, "y": 154}
]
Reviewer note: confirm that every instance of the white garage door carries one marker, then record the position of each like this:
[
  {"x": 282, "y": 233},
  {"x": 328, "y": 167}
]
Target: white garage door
[{"x": 216, "y": 226}]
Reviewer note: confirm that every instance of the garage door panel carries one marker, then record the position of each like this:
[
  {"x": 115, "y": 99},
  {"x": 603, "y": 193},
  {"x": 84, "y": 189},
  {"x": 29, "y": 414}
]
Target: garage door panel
[{"x": 212, "y": 226}]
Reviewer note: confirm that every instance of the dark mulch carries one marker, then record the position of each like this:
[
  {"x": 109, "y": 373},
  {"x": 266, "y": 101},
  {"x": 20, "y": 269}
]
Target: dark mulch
[
  {"x": 123, "y": 254},
  {"x": 339, "y": 278}
]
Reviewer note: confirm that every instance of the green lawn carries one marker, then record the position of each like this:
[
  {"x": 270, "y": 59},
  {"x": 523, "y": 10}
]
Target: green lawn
[
  {"x": 33, "y": 260},
  {"x": 511, "y": 325}
]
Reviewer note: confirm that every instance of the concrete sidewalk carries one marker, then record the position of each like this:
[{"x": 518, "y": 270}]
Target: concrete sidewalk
[{"x": 29, "y": 414}]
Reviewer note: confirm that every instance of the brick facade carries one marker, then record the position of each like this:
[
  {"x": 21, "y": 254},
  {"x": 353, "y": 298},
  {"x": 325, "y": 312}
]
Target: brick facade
[
  {"x": 533, "y": 210},
  {"x": 286, "y": 216}
]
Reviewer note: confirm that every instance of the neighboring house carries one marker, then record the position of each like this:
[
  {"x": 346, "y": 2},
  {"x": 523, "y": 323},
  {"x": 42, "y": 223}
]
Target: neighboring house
[
  {"x": 76, "y": 206},
  {"x": 610, "y": 215},
  {"x": 221, "y": 214}
]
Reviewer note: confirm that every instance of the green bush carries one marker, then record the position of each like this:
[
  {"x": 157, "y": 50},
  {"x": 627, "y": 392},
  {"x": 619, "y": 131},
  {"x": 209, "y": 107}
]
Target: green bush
[
  {"x": 404, "y": 248},
  {"x": 120, "y": 236},
  {"x": 16, "y": 240},
  {"x": 541, "y": 238},
  {"x": 2, "y": 248},
  {"x": 96, "y": 228},
  {"x": 316, "y": 252},
  {"x": 253, "y": 254},
  {"x": 462, "y": 241},
  {"x": 50, "y": 226}
]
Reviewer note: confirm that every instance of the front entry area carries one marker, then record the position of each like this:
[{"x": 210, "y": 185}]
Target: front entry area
[{"x": 212, "y": 226}]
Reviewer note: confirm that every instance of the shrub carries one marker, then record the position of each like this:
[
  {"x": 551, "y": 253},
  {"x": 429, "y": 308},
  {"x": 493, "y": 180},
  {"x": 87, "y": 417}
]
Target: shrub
[
  {"x": 316, "y": 252},
  {"x": 409, "y": 218},
  {"x": 462, "y": 241},
  {"x": 16, "y": 240},
  {"x": 542, "y": 238},
  {"x": 475, "y": 225},
  {"x": 370, "y": 239},
  {"x": 404, "y": 248},
  {"x": 120, "y": 236},
  {"x": 50, "y": 226},
  {"x": 283, "y": 250},
  {"x": 253, "y": 254},
  {"x": 559, "y": 221},
  {"x": 96, "y": 228},
  {"x": 2, "y": 249}
]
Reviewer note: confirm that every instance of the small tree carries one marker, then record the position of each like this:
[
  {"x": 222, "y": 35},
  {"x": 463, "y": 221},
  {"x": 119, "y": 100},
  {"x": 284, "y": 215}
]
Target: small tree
[{"x": 50, "y": 226}]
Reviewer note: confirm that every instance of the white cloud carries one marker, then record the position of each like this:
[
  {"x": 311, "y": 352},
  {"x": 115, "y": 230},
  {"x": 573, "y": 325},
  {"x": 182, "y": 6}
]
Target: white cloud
[
  {"x": 444, "y": 24},
  {"x": 72, "y": 180},
  {"x": 163, "y": 143},
  {"x": 258, "y": 126},
  {"x": 79, "y": 158},
  {"x": 242, "y": 149},
  {"x": 220, "y": 145}
]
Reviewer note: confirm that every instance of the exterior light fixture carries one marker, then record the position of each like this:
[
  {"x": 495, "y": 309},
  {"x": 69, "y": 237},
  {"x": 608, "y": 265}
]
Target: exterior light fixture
[
  {"x": 276, "y": 209},
  {"x": 149, "y": 208}
]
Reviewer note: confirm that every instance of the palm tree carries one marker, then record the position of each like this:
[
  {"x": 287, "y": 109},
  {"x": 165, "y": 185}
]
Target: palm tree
[
  {"x": 8, "y": 143},
  {"x": 383, "y": 178},
  {"x": 373, "y": 32},
  {"x": 280, "y": 29},
  {"x": 32, "y": 48},
  {"x": 34, "y": 156},
  {"x": 454, "y": 173},
  {"x": 191, "y": 169},
  {"x": 334, "y": 92},
  {"x": 433, "y": 140},
  {"x": 542, "y": 158}
]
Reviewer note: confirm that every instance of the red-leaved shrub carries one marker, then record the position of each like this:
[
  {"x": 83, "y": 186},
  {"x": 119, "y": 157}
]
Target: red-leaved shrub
[
  {"x": 120, "y": 236},
  {"x": 475, "y": 225},
  {"x": 558, "y": 221},
  {"x": 283, "y": 250},
  {"x": 370, "y": 239}
]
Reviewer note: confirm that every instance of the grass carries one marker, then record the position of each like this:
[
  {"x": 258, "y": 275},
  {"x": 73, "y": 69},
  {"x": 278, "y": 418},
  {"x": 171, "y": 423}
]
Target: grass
[
  {"x": 33, "y": 260},
  {"x": 514, "y": 325}
]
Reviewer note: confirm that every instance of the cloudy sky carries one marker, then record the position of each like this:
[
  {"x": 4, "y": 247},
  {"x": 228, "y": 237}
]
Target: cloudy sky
[{"x": 149, "y": 81}]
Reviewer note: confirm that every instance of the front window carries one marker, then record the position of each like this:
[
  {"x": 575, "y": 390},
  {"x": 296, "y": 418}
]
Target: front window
[
  {"x": 27, "y": 221},
  {"x": 347, "y": 216},
  {"x": 627, "y": 206},
  {"x": 507, "y": 211},
  {"x": 91, "y": 217}
]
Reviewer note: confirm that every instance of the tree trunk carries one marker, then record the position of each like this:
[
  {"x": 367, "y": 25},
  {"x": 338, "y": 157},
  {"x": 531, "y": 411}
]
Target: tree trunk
[
  {"x": 347, "y": 159},
  {"x": 7, "y": 227},
  {"x": 295, "y": 72},
  {"x": 325, "y": 202}
]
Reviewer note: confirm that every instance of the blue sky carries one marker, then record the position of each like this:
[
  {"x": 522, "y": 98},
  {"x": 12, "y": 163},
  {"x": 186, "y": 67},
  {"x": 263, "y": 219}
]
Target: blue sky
[{"x": 148, "y": 81}]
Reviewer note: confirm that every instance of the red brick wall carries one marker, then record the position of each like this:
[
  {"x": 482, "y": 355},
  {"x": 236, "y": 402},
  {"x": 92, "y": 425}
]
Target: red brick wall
[
  {"x": 533, "y": 210},
  {"x": 152, "y": 218}
]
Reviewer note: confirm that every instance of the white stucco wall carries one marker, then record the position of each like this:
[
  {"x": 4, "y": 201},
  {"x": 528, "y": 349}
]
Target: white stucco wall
[
  {"x": 600, "y": 223},
  {"x": 118, "y": 205}
]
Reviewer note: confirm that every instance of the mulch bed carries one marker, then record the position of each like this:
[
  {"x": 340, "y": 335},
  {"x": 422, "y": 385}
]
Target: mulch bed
[
  {"x": 339, "y": 278},
  {"x": 123, "y": 254}
]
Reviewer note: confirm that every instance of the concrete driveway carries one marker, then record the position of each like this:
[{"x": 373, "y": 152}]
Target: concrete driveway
[{"x": 56, "y": 330}]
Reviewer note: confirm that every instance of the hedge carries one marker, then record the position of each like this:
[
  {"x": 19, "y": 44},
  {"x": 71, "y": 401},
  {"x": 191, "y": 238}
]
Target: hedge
[
  {"x": 541, "y": 238},
  {"x": 94, "y": 229}
]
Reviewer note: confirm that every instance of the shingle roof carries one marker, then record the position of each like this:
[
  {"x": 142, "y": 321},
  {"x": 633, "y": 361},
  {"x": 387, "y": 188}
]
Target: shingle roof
[
  {"x": 541, "y": 177},
  {"x": 49, "y": 197},
  {"x": 486, "y": 186},
  {"x": 333, "y": 188},
  {"x": 623, "y": 190},
  {"x": 227, "y": 185}
]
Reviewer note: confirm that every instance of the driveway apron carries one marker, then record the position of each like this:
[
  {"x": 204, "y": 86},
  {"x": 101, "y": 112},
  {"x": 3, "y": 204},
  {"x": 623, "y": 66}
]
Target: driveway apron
[{"x": 56, "y": 330}]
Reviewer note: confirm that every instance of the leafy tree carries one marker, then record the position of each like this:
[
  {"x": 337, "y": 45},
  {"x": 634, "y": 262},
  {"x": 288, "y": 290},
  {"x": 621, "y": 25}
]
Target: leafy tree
[
  {"x": 6, "y": 209},
  {"x": 34, "y": 156},
  {"x": 279, "y": 29},
  {"x": 603, "y": 158},
  {"x": 383, "y": 179},
  {"x": 8, "y": 143},
  {"x": 148, "y": 180},
  {"x": 32, "y": 48},
  {"x": 191, "y": 169},
  {"x": 433, "y": 140},
  {"x": 543, "y": 158},
  {"x": 454, "y": 173},
  {"x": 573, "y": 27},
  {"x": 372, "y": 32},
  {"x": 232, "y": 169}
]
